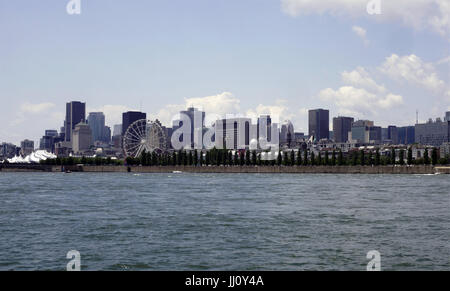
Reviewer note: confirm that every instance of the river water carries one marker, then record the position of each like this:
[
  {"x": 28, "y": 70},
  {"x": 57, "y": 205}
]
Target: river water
[{"x": 224, "y": 221}]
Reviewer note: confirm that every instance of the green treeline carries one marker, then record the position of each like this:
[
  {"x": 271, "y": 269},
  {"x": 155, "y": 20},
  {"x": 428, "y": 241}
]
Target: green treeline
[{"x": 222, "y": 157}]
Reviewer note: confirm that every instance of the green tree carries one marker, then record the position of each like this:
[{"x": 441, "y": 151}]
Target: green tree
[
  {"x": 279, "y": 158},
  {"x": 434, "y": 156},
  {"x": 333, "y": 158},
  {"x": 195, "y": 158},
  {"x": 305, "y": 157},
  {"x": 313, "y": 159},
  {"x": 393, "y": 156},
  {"x": 410, "y": 156},
  {"x": 208, "y": 158},
  {"x": 377, "y": 158},
  {"x": 363, "y": 158},
  {"x": 254, "y": 158},
  {"x": 292, "y": 158},
  {"x": 426, "y": 157},
  {"x": 370, "y": 158},
  {"x": 299, "y": 157},
  {"x": 354, "y": 158},
  {"x": 401, "y": 157},
  {"x": 319, "y": 159},
  {"x": 340, "y": 158},
  {"x": 326, "y": 159}
]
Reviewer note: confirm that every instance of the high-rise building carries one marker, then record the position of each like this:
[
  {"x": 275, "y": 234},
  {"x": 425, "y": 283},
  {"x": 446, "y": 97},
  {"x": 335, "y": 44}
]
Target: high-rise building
[
  {"x": 197, "y": 120},
  {"x": 447, "y": 116},
  {"x": 319, "y": 124},
  {"x": 100, "y": 132},
  {"x": 233, "y": 133},
  {"x": 393, "y": 134},
  {"x": 117, "y": 130},
  {"x": 8, "y": 150},
  {"x": 341, "y": 127},
  {"x": 264, "y": 121},
  {"x": 75, "y": 113},
  {"x": 26, "y": 147},
  {"x": 287, "y": 134},
  {"x": 82, "y": 138},
  {"x": 406, "y": 135},
  {"x": 364, "y": 131},
  {"x": 130, "y": 117}
]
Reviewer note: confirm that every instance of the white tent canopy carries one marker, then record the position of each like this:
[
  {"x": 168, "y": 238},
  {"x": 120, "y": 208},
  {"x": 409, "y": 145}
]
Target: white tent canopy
[{"x": 33, "y": 158}]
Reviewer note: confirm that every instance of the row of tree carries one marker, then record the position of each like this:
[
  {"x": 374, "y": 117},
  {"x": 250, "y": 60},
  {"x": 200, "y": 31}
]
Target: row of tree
[
  {"x": 223, "y": 157},
  {"x": 70, "y": 161}
]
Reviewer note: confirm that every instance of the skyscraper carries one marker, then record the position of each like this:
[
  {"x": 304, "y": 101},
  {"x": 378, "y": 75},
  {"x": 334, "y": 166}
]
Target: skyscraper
[
  {"x": 75, "y": 113},
  {"x": 319, "y": 124},
  {"x": 82, "y": 138},
  {"x": 129, "y": 117},
  {"x": 341, "y": 127},
  {"x": 393, "y": 134},
  {"x": 100, "y": 132}
]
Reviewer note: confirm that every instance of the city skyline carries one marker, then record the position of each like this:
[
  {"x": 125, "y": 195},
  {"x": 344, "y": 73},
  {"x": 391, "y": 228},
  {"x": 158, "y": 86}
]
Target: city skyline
[{"x": 283, "y": 57}]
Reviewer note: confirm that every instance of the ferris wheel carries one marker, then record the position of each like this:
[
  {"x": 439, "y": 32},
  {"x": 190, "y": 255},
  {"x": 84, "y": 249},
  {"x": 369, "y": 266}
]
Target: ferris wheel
[{"x": 144, "y": 135}]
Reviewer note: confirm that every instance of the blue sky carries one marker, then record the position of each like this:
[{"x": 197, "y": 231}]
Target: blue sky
[{"x": 227, "y": 56}]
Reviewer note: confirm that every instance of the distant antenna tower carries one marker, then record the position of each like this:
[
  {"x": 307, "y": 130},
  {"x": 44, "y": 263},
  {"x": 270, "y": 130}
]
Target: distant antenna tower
[{"x": 417, "y": 116}]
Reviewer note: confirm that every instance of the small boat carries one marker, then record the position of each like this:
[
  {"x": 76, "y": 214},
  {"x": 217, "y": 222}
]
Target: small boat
[{"x": 177, "y": 172}]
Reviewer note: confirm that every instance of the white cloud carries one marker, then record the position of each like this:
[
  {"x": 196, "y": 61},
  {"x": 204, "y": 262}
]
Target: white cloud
[
  {"x": 413, "y": 70},
  {"x": 357, "y": 101},
  {"x": 362, "y": 33},
  {"x": 27, "y": 107},
  {"x": 215, "y": 106},
  {"x": 361, "y": 78},
  {"x": 430, "y": 14},
  {"x": 444, "y": 61}
]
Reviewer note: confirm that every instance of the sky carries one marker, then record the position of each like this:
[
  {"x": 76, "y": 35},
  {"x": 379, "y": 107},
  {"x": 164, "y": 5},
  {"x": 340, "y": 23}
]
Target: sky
[{"x": 246, "y": 57}]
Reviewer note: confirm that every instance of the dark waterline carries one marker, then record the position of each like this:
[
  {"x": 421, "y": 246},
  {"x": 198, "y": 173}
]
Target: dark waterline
[{"x": 224, "y": 221}]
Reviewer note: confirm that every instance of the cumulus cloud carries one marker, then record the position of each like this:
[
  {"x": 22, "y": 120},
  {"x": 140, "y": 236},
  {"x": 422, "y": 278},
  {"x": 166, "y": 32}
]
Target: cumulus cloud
[
  {"x": 362, "y": 33},
  {"x": 361, "y": 78},
  {"x": 356, "y": 101},
  {"x": 430, "y": 14},
  {"x": 216, "y": 106},
  {"x": 413, "y": 70}
]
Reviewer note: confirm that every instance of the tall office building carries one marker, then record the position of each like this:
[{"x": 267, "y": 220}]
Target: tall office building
[
  {"x": 129, "y": 117},
  {"x": 319, "y": 124},
  {"x": 264, "y": 121},
  {"x": 82, "y": 138},
  {"x": 75, "y": 113},
  {"x": 364, "y": 131},
  {"x": 26, "y": 147},
  {"x": 393, "y": 134},
  {"x": 406, "y": 135},
  {"x": 100, "y": 132},
  {"x": 233, "y": 133},
  {"x": 341, "y": 127},
  {"x": 197, "y": 119}
]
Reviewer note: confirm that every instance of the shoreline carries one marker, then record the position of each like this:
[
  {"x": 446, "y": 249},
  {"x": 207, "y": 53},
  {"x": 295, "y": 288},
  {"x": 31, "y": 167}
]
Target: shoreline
[{"x": 415, "y": 169}]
